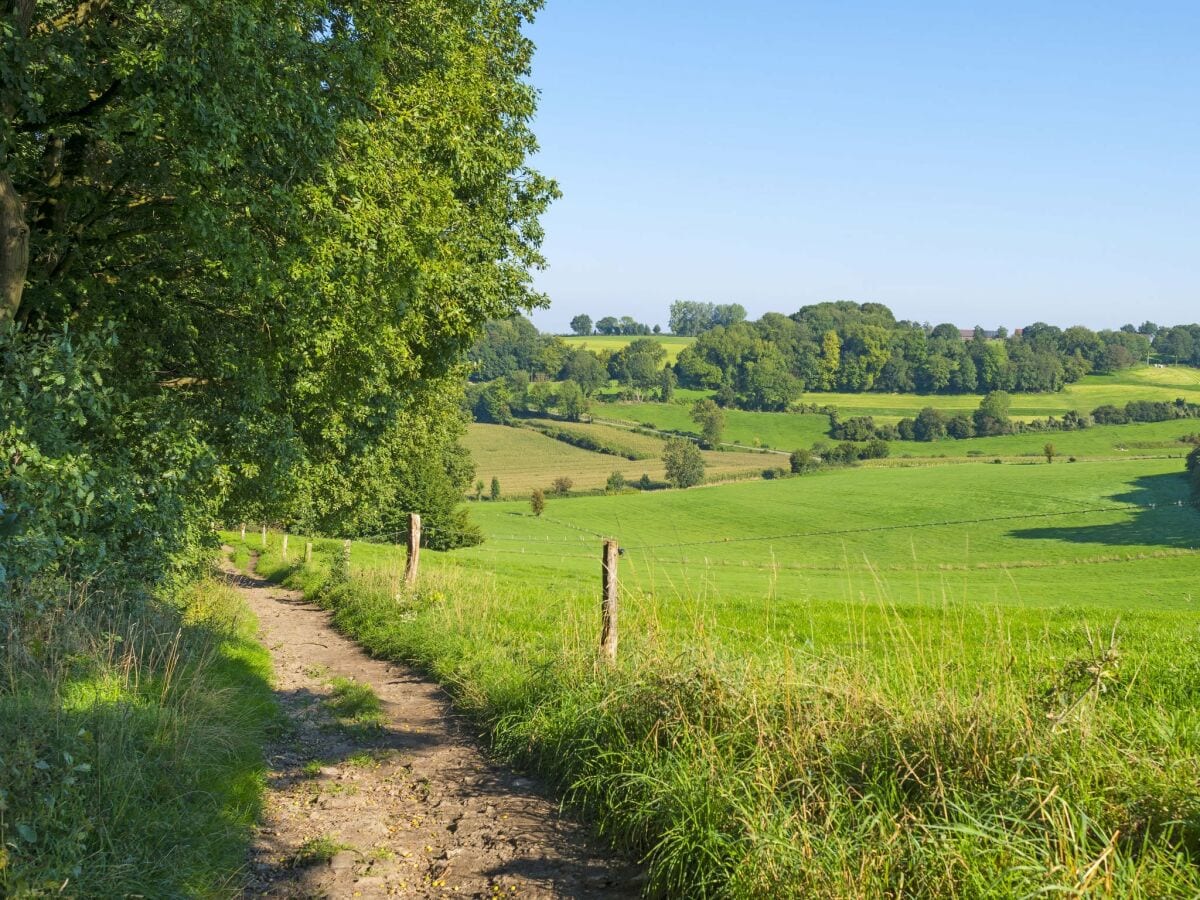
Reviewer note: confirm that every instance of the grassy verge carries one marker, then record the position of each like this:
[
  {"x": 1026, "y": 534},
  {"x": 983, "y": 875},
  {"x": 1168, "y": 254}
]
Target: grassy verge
[
  {"x": 131, "y": 734},
  {"x": 866, "y": 747}
]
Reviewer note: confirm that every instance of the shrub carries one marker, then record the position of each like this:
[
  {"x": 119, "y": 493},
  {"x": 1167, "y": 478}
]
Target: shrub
[
  {"x": 615, "y": 483},
  {"x": 803, "y": 461},
  {"x": 537, "y": 502},
  {"x": 563, "y": 485}
]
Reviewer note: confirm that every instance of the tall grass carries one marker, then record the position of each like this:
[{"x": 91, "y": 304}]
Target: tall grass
[
  {"x": 929, "y": 752},
  {"x": 131, "y": 734}
]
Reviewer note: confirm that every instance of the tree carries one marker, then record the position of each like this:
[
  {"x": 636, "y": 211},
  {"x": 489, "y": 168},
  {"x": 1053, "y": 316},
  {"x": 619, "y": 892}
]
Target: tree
[
  {"x": 288, "y": 251},
  {"x": 930, "y": 425},
  {"x": 1049, "y": 452},
  {"x": 666, "y": 392},
  {"x": 831, "y": 360},
  {"x": 571, "y": 401},
  {"x": 991, "y": 418},
  {"x": 711, "y": 419},
  {"x": 803, "y": 461},
  {"x": 537, "y": 502},
  {"x": 584, "y": 368},
  {"x": 689, "y": 318},
  {"x": 608, "y": 325},
  {"x": 637, "y": 366},
  {"x": 495, "y": 491},
  {"x": 478, "y": 491},
  {"x": 683, "y": 462},
  {"x": 562, "y": 485},
  {"x": 581, "y": 325},
  {"x": 615, "y": 483}
]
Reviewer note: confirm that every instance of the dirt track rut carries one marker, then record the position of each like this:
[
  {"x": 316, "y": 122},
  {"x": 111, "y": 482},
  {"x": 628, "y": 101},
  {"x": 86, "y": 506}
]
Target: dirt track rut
[{"x": 412, "y": 809}]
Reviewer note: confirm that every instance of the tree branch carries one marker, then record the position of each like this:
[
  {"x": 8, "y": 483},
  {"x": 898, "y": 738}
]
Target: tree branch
[{"x": 75, "y": 17}]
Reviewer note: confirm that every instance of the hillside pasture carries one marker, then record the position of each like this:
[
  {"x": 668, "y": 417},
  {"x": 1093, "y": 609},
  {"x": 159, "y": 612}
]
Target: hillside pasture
[
  {"x": 1140, "y": 383},
  {"x": 998, "y": 661},
  {"x": 524, "y": 460},
  {"x": 599, "y": 343}
]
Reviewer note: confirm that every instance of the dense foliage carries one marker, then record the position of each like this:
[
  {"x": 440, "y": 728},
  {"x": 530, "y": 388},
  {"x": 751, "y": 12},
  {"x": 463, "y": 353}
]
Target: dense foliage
[
  {"x": 691, "y": 318},
  {"x": 854, "y": 348},
  {"x": 251, "y": 242}
]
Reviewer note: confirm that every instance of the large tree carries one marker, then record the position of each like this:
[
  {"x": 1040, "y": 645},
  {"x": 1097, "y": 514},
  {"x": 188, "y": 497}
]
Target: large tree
[{"x": 290, "y": 219}]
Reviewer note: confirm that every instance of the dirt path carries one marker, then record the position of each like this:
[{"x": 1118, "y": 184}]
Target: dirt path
[{"x": 394, "y": 799}]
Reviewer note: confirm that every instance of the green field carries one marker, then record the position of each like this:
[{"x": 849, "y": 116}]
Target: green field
[
  {"x": 524, "y": 460},
  {"x": 782, "y": 431},
  {"x": 1141, "y": 383},
  {"x": 599, "y": 343},
  {"x": 851, "y": 527},
  {"x": 788, "y": 431},
  {"x": 974, "y": 651}
]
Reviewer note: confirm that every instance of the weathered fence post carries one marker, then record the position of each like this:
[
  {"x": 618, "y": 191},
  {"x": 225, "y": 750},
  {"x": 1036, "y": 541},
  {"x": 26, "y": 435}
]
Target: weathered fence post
[
  {"x": 264, "y": 535},
  {"x": 284, "y": 550},
  {"x": 414, "y": 549},
  {"x": 608, "y": 603},
  {"x": 346, "y": 556},
  {"x": 308, "y": 552},
  {"x": 243, "y": 531}
]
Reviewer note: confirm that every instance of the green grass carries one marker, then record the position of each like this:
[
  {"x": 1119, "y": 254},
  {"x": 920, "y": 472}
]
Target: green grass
[
  {"x": 599, "y": 343},
  {"x": 131, "y": 734},
  {"x": 355, "y": 707},
  {"x": 320, "y": 849},
  {"x": 966, "y": 680},
  {"x": 1140, "y": 383},
  {"x": 524, "y": 460},
  {"x": 787, "y": 431}
]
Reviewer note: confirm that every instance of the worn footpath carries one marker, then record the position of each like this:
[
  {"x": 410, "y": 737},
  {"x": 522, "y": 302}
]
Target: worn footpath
[{"x": 394, "y": 799}]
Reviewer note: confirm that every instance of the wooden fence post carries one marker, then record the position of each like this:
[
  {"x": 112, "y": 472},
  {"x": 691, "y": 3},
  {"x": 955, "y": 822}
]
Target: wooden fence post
[
  {"x": 264, "y": 536},
  {"x": 284, "y": 550},
  {"x": 243, "y": 531},
  {"x": 608, "y": 603},
  {"x": 346, "y": 556},
  {"x": 308, "y": 552},
  {"x": 414, "y": 549}
]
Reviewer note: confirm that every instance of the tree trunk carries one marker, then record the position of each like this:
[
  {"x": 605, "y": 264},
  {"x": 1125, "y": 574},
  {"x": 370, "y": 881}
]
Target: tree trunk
[{"x": 14, "y": 249}]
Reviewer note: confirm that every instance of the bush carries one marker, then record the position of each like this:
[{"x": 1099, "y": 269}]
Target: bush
[
  {"x": 875, "y": 449},
  {"x": 803, "y": 461},
  {"x": 537, "y": 502},
  {"x": 563, "y": 485},
  {"x": 87, "y": 490}
]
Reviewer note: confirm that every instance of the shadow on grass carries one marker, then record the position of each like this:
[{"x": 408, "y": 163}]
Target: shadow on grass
[{"x": 1160, "y": 521}]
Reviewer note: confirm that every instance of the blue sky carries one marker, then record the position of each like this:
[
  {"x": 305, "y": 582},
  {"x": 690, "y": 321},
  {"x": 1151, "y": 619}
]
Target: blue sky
[{"x": 976, "y": 163}]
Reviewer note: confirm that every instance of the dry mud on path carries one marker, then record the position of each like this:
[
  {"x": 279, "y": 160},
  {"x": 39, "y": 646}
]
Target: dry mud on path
[{"x": 406, "y": 808}]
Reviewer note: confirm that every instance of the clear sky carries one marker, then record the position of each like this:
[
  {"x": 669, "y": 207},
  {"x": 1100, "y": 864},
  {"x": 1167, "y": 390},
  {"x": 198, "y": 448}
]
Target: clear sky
[{"x": 979, "y": 163}]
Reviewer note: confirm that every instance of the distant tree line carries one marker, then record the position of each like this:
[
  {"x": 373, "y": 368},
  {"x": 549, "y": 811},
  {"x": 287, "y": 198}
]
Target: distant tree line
[
  {"x": 610, "y": 325},
  {"x": 855, "y": 348},
  {"x": 690, "y": 318},
  {"x": 992, "y": 418},
  {"x": 838, "y": 346}
]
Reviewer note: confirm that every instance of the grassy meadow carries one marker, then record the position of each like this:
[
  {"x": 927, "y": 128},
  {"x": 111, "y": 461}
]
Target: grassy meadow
[
  {"x": 524, "y": 460},
  {"x": 1140, "y": 383},
  {"x": 930, "y": 681},
  {"x": 601, "y": 343},
  {"x": 131, "y": 735}
]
